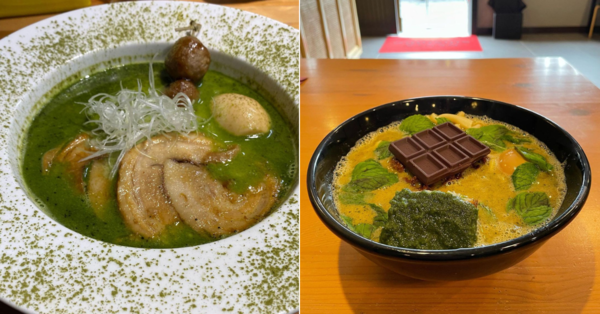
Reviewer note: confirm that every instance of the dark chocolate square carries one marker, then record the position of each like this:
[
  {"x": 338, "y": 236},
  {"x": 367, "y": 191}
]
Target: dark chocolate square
[
  {"x": 450, "y": 155},
  {"x": 429, "y": 139},
  {"x": 449, "y": 131},
  {"x": 428, "y": 169},
  {"x": 406, "y": 148},
  {"x": 472, "y": 147}
]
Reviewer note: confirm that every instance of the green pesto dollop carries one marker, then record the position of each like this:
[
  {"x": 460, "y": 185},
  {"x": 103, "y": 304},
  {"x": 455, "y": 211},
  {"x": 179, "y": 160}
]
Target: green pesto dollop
[{"x": 430, "y": 220}]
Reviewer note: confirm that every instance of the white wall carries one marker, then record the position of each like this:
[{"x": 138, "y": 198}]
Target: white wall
[{"x": 544, "y": 13}]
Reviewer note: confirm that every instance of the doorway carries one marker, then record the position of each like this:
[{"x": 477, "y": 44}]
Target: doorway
[{"x": 435, "y": 18}]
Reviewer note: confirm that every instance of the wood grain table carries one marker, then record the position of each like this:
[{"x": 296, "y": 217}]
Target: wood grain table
[
  {"x": 285, "y": 11},
  {"x": 559, "y": 278}
]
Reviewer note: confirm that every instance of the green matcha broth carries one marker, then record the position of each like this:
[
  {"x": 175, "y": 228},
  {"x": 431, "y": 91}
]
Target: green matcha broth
[{"x": 62, "y": 119}]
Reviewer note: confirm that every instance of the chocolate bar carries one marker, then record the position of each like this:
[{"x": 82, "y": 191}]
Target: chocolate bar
[{"x": 437, "y": 153}]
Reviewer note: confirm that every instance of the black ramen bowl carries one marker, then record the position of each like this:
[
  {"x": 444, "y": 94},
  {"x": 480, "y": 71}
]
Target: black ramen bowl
[{"x": 456, "y": 264}]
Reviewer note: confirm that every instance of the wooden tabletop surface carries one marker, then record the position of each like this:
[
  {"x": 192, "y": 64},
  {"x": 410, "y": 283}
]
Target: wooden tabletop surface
[
  {"x": 559, "y": 278},
  {"x": 285, "y": 11}
]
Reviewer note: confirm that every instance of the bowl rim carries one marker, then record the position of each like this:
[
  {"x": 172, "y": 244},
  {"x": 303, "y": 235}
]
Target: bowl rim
[
  {"x": 539, "y": 235},
  {"x": 52, "y": 249}
]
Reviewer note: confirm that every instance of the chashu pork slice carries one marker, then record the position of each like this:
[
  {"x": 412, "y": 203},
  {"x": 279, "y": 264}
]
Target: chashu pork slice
[
  {"x": 142, "y": 200},
  {"x": 209, "y": 207}
]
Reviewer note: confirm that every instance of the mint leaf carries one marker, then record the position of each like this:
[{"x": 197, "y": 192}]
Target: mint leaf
[
  {"x": 515, "y": 140},
  {"x": 415, "y": 124},
  {"x": 524, "y": 176},
  {"x": 348, "y": 222},
  {"x": 490, "y": 135},
  {"x": 382, "y": 216},
  {"x": 533, "y": 207},
  {"x": 487, "y": 210},
  {"x": 382, "y": 151},
  {"x": 365, "y": 230},
  {"x": 536, "y": 215},
  {"x": 442, "y": 120},
  {"x": 535, "y": 158},
  {"x": 477, "y": 133},
  {"x": 511, "y": 204},
  {"x": 370, "y": 175},
  {"x": 350, "y": 198},
  {"x": 528, "y": 199}
]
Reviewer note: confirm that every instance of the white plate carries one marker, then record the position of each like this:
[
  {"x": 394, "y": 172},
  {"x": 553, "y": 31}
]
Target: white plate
[{"x": 45, "y": 267}]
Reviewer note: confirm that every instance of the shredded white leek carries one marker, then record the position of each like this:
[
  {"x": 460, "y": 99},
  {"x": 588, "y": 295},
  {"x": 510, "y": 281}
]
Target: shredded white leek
[{"x": 129, "y": 116}]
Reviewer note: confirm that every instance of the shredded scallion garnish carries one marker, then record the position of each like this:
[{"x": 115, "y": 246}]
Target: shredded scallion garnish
[{"x": 129, "y": 116}]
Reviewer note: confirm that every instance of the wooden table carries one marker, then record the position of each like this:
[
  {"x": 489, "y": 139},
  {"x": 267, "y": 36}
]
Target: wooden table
[
  {"x": 558, "y": 278},
  {"x": 285, "y": 11}
]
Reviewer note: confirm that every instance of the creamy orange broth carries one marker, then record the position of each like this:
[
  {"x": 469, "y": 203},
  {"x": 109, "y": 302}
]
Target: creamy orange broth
[{"x": 488, "y": 184}]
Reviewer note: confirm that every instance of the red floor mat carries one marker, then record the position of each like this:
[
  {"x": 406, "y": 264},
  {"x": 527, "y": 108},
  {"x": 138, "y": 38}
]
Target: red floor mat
[{"x": 400, "y": 44}]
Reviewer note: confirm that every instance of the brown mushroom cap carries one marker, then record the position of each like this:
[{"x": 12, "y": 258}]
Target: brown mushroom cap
[
  {"x": 187, "y": 59},
  {"x": 183, "y": 86}
]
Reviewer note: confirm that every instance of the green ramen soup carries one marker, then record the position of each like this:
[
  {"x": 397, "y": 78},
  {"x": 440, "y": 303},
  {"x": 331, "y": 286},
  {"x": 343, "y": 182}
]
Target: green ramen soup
[
  {"x": 148, "y": 161},
  {"x": 510, "y": 192}
]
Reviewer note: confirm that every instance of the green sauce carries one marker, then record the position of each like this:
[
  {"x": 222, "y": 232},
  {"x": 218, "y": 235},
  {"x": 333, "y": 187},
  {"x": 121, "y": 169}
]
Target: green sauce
[
  {"x": 61, "y": 120},
  {"x": 430, "y": 220}
]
